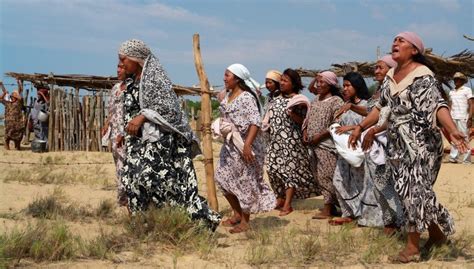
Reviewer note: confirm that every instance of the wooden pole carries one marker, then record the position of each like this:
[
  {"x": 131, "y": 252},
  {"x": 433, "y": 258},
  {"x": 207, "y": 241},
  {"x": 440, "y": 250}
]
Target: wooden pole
[{"x": 206, "y": 124}]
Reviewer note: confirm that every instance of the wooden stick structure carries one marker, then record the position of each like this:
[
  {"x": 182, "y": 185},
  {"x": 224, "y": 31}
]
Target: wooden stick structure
[{"x": 206, "y": 124}]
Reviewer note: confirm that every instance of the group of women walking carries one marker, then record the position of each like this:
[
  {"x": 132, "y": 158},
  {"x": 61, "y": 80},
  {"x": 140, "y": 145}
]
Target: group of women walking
[{"x": 373, "y": 158}]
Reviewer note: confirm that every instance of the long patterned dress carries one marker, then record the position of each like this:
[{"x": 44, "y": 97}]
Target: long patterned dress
[
  {"x": 233, "y": 174},
  {"x": 160, "y": 172},
  {"x": 355, "y": 190},
  {"x": 414, "y": 147},
  {"x": 287, "y": 157},
  {"x": 384, "y": 191},
  {"x": 14, "y": 123},
  {"x": 116, "y": 125},
  {"x": 324, "y": 157}
]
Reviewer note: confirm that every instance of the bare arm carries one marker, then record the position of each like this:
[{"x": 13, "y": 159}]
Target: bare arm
[
  {"x": 457, "y": 138},
  {"x": 247, "y": 151},
  {"x": 20, "y": 86},
  {"x": 369, "y": 121},
  {"x": 471, "y": 113}
]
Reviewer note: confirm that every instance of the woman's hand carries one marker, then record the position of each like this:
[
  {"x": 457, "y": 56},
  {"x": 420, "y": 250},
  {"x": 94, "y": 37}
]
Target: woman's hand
[
  {"x": 119, "y": 141},
  {"x": 346, "y": 107},
  {"x": 247, "y": 153},
  {"x": 458, "y": 140},
  {"x": 104, "y": 129},
  {"x": 355, "y": 135},
  {"x": 134, "y": 125},
  {"x": 368, "y": 139},
  {"x": 344, "y": 129},
  {"x": 315, "y": 139}
]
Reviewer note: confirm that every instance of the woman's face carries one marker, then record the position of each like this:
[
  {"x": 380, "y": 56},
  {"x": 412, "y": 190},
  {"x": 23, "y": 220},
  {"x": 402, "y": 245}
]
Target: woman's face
[
  {"x": 348, "y": 92},
  {"x": 402, "y": 50},
  {"x": 121, "y": 74},
  {"x": 322, "y": 88},
  {"x": 285, "y": 84},
  {"x": 230, "y": 80},
  {"x": 130, "y": 67},
  {"x": 270, "y": 84},
  {"x": 381, "y": 69}
]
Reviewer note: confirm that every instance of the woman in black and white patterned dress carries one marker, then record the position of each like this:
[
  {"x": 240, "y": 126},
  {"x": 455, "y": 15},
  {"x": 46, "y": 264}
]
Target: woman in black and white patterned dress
[
  {"x": 158, "y": 168},
  {"x": 287, "y": 158},
  {"x": 414, "y": 146}
]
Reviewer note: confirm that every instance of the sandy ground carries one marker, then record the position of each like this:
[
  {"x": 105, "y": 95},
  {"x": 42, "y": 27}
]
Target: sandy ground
[{"x": 455, "y": 189}]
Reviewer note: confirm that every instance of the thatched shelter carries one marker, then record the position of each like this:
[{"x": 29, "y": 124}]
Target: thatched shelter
[
  {"x": 444, "y": 67},
  {"x": 87, "y": 82}
]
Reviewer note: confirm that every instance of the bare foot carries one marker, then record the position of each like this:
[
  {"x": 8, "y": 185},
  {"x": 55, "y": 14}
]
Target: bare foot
[
  {"x": 242, "y": 227},
  {"x": 285, "y": 212}
]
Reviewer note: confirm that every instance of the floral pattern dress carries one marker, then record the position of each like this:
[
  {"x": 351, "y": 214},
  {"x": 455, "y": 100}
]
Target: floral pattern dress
[
  {"x": 355, "y": 189},
  {"x": 415, "y": 149},
  {"x": 233, "y": 174},
  {"x": 160, "y": 172},
  {"x": 287, "y": 158}
]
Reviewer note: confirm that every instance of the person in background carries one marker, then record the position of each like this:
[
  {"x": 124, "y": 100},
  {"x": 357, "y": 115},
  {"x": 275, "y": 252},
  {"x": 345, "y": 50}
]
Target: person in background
[
  {"x": 355, "y": 190},
  {"x": 14, "y": 118},
  {"x": 38, "y": 122},
  {"x": 239, "y": 173},
  {"x": 414, "y": 144},
  {"x": 114, "y": 130},
  {"x": 462, "y": 111},
  {"x": 385, "y": 194}
]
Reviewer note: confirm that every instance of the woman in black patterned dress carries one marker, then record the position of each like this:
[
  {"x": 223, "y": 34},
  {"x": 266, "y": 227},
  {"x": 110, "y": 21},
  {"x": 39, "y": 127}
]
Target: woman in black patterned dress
[
  {"x": 159, "y": 144},
  {"x": 287, "y": 158},
  {"x": 414, "y": 147}
]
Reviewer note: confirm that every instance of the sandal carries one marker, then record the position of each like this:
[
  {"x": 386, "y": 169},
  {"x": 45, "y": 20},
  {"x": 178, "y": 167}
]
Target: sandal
[
  {"x": 238, "y": 229},
  {"x": 285, "y": 212},
  {"x": 340, "y": 221},
  {"x": 230, "y": 222},
  {"x": 405, "y": 258}
]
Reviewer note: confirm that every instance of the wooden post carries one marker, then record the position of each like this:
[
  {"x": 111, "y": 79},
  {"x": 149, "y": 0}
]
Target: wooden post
[{"x": 206, "y": 124}]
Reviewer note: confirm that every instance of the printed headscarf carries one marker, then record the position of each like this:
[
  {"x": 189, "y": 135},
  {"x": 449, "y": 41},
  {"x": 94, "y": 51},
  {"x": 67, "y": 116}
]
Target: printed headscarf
[
  {"x": 136, "y": 50},
  {"x": 156, "y": 92}
]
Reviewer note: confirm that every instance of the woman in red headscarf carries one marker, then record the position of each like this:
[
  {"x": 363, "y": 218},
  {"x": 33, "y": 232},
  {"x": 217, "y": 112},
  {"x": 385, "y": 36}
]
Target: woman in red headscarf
[{"x": 414, "y": 144}]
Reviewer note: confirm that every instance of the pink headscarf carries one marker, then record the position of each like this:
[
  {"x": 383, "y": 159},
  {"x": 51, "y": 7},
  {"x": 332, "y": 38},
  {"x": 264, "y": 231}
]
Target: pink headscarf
[
  {"x": 329, "y": 77},
  {"x": 388, "y": 60},
  {"x": 414, "y": 39}
]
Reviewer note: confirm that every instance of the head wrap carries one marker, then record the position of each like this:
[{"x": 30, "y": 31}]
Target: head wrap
[
  {"x": 243, "y": 73},
  {"x": 136, "y": 50},
  {"x": 157, "y": 98},
  {"x": 329, "y": 77},
  {"x": 387, "y": 59},
  {"x": 44, "y": 93},
  {"x": 414, "y": 39},
  {"x": 459, "y": 75},
  {"x": 274, "y": 75}
]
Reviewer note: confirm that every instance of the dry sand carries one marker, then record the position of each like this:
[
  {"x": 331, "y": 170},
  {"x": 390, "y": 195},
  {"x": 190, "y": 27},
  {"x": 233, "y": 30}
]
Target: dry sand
[{"x": 455, "y": 189}]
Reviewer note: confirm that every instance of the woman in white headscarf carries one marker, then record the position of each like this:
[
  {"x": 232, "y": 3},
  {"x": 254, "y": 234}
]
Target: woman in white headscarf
[
  {"x": 159, "y": 144},
  {"x": 239, "y": 173}
]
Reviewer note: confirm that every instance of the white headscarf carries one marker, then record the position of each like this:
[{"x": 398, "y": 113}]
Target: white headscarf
[{"x": 243, "y": 73}]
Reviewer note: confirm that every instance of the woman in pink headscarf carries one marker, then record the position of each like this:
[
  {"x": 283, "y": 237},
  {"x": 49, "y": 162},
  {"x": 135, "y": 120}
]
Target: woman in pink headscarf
[
  {"x": 322, "y": 149},
  {"x": 414, "y": 144}
]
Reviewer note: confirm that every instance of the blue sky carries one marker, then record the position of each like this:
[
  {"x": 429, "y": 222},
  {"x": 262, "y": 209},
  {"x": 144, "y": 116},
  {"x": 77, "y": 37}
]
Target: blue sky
[{"x": 82, "y": 37}]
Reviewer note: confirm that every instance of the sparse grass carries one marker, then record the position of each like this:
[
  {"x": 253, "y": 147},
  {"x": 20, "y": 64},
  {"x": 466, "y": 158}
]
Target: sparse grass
[
  {"x": 171, "y": 226},
  {"x": 56, "y": 205},
  {"x": 460, "y": 246},
  {"x": 42, "y": 241}
]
